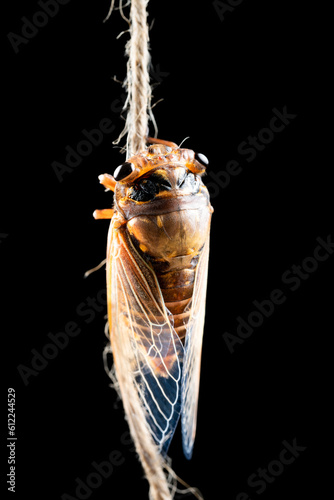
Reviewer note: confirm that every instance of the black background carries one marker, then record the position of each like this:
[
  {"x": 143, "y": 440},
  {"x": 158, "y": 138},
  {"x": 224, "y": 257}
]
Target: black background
[{"x": 220, "y": 80}]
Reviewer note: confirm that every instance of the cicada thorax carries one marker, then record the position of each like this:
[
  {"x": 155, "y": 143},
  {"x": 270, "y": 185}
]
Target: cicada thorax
[{"x": 167, "y": 215}]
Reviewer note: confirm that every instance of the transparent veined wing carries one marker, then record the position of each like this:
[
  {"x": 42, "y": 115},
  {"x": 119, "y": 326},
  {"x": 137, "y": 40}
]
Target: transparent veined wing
[
  {"x": 192, "y": 354},
  {"x": 145, "y": 345}
]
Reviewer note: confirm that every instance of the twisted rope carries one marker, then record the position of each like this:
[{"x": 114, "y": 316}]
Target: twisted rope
[{"x": 137, "y": 82}]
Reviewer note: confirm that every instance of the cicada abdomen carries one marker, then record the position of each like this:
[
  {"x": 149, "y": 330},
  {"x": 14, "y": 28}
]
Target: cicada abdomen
[{"x": 157, "y": 263}]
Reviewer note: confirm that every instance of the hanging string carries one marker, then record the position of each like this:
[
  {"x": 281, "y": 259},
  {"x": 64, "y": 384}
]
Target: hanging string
[{"x": 137, "y": 82}]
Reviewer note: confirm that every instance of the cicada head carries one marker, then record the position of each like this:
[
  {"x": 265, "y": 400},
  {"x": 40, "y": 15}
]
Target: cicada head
[{"x": 162, "y": 171}]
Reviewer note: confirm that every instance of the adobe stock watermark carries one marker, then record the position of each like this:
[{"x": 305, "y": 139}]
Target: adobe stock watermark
[
  {"x": 91, "y": 139},
  {"x": 3, "y": 236},
  {"x": 57, "y": 342},
  {"x": 292, "y": 279},
  {"x": 259, "y": 480},
  {"x": 48, "y": 9},
  {"x": 249, "y": 149},
  {"x": 223, "y": 7},
  {"x": 99, "y": 472}
]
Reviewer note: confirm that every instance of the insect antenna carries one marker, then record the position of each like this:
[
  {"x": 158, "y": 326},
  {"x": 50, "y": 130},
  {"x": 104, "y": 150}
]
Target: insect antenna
[{"x": 184, "y": 140}]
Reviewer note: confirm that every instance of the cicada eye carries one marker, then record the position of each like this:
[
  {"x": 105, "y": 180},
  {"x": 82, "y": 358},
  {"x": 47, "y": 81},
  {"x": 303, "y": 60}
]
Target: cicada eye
[
  {"x": 123, "y": 171},
  {"x": 201, "y": 159}
]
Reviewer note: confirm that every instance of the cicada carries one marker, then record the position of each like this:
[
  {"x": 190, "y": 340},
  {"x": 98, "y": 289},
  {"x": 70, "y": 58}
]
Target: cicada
[{"x": 157, "y": 266}]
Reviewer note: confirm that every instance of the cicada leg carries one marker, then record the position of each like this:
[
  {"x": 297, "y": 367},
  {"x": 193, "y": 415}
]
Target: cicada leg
[
  {"x": 106, "y": 213},
  {"x": 108, "y": 181},
  {"x": 154, "y": 140}
]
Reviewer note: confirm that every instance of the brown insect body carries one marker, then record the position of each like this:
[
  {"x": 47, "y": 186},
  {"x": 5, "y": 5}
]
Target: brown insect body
[
  {"x": 157, "y": 267},
  {"x": 171, "y": 232}
]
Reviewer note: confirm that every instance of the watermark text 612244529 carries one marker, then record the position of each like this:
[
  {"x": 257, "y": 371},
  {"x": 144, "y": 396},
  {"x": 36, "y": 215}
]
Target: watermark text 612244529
[{"x": 11, "y": 441}]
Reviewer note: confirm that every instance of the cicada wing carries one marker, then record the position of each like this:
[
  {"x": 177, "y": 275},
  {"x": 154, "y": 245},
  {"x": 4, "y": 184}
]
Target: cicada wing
[
  {"x": 146, "y": 348},
  {"x": 192, "y": 354}
]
